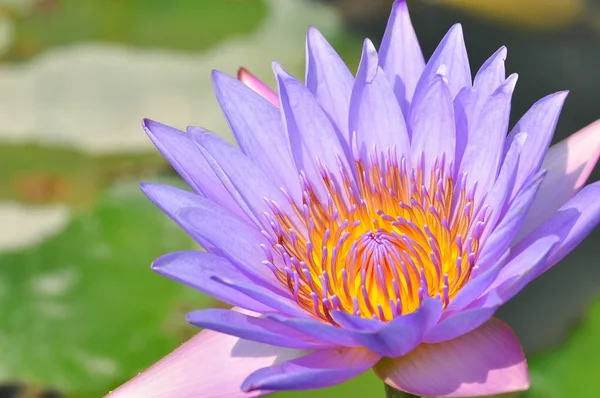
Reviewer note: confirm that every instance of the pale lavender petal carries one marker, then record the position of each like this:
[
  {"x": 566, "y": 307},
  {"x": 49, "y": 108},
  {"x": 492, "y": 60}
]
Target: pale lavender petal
[
  {"x": 481, "y": 158},
  {"x": 280, "y": 302},
  {"x": 432, "y": 125},
  {"x": 569, "y": 164},
  {"x": 396, "y": 337},
  {"x": 253, "y": 328},
  {"x": 452, "y": 53},
  {"x": 523, "y": 266},
  {"x": 486, "y": 361},
  {"x": 257, "y": 128},
  {"x": 185, "y": 157},
  {"x": 227, "y": 234},
  {"x": 320, "y": 369},
  {"x": 470, "y": 100},
  {"x": 400, "y": 55},
  {"x": 171, "y": 200},
  {"x": 329, "y": 80},
  {"x": 503, "y": 234},
  {"x": 490, "y": 76},
  {"x": 318, "y": 330},
  {"x": 571, "y": 224},
  {"x": 375, "y": 115},
  {"x": 497, "y": 198},
  {"x": 195, "y": 269},
  {"x": 487, "y": 80},
  {"x": 312, "y": 137},
  {"x": 258, "y": 86},
  {"x": 464, "y": 118},
  {"x": 244, "y": 180},
  {"x": 189, "y": 371},
  {"x": 539, "y": 123}
]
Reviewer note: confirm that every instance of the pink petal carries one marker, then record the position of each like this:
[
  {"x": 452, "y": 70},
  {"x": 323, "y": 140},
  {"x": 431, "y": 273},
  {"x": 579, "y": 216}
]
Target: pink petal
[
  {"x": 257, "y": 85},
  {"x": 569, "y": 164},
  {"x": 486, "y": 361},
  {"x": 210, "y": 364}
]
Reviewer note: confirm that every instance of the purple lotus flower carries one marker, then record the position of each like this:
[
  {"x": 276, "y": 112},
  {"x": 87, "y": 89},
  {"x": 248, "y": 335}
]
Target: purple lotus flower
[{"x": 375, "y": 221}]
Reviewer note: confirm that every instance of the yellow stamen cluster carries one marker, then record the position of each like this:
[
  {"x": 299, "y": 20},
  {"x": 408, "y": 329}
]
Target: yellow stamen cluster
[{"x": 378, "y": 240}]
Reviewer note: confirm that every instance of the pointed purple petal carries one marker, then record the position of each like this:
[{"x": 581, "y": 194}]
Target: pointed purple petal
[
  {"x": 318, "y": 330},
  {"x": 244, "y": 180},
  {"x": 206, "y": 221},
  {"x": 539, "y": 123},
  {"x": 253, "y": 328},
  {"x": 375, "y": 115},
  {"x": 400, "y": 55},
  {"x": 432, "y": 125},
  {"x": 310, "y": 132},
  {"x": 481, "y": 158},
  {"x": 171, "y": 200},
  {"x": 320, "y": 369},
  {"x": 257, "y": 128},
  {"x": 281, "y": 302},
  {"x": 506, "y": 230},
  {"x": 469, "y": 101},
  {"x": 189, "y": 371},
  {"x": 452, "y": 53},
  {"x": 329, "y": 80},
  {"x": 497, "y": 198},
  {"x": 195, "y": 269},
  {"x": 491, "y": 75},
  {"x": 486, "y": 361},
  {"x": 185, "y": 157},
  {"x": 523, "y": 266}
]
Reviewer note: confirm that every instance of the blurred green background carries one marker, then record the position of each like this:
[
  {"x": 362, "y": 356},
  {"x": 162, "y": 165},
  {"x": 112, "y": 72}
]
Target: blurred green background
[{"x": 80, "y": 310}]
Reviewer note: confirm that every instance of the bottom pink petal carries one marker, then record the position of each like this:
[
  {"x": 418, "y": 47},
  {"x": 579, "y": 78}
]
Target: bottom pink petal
[
  {"x": 210, "y": 364},
  {"x": 486, "y": 361},
  {"x": 569, "y": 164}
]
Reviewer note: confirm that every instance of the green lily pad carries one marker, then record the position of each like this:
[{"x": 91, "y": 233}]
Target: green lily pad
[
  {"x": 572, "y": 369},
  {"x": 37, "y": 174},
  {"x": 176, "y": 24},
  {"x": 82, "y": 312}
]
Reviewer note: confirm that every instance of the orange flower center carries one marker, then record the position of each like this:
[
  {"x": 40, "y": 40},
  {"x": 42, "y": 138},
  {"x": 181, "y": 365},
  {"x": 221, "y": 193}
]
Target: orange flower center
[{"x": 377, "y": 244}]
